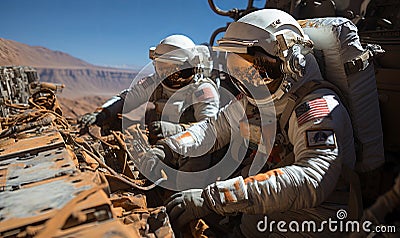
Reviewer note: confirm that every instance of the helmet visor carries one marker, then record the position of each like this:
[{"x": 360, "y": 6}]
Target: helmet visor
[
  {"x": 257, "y": 76},
  {"x": 174, "y": 75}
]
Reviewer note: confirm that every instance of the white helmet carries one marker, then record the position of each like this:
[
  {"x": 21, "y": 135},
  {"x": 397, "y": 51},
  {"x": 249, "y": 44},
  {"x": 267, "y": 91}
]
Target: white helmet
[
  {"x": 177, "y": 59},
  {"x": 270, "y": 42}
]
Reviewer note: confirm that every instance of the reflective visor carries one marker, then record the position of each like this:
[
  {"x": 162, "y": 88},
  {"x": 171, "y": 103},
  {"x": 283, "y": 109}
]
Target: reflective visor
[
  {"x": 164, "y": 69},
  {"x": 174, "y": 75},
  {"x": 257, "y": 76}
]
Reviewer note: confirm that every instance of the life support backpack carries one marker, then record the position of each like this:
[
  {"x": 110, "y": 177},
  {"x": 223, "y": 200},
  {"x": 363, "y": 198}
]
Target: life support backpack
[{"x": 348, "y": 70}]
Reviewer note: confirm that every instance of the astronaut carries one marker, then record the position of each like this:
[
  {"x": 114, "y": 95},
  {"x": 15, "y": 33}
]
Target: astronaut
[
  {"x": 180, "y": 89},
  {"x": 270, "y": 62}
]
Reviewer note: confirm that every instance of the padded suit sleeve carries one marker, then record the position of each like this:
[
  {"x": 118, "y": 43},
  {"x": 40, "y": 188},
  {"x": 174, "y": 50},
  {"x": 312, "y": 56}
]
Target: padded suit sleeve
[
  {"x": 209, "y": 135},
  {"x": 131, "y": 98}
]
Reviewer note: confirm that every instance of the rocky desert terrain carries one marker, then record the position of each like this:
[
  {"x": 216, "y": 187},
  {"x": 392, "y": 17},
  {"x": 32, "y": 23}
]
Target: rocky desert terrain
[{"x": 87, "y": 86}]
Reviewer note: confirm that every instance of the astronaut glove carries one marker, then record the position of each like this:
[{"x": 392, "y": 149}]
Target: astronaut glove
[
  {"x": 149, "y": 163},
  {"x": 93, "y": 118},
  {"x": 186, "y": 206},
  {"x": 228, "y": 197},
  {"x": 161, "y": 129}
]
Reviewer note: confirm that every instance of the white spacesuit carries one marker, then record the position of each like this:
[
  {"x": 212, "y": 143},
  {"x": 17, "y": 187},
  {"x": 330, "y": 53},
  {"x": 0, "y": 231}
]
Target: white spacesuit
[
  {"x": 269, "y": 63},
  {"x": 180, "y": 89},
  {"x": 182, "y": 71}
]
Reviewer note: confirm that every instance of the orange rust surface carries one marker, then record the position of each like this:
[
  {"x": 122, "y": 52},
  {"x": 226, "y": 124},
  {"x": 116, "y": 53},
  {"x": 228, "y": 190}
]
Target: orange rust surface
[
  {"x": 55, "y": 188},
  {"x": 84, "y": 180},
  {"x": 3, "y": 176},
  {"x": 112, "y": 228},
  {"x": 42, "y": 142}
]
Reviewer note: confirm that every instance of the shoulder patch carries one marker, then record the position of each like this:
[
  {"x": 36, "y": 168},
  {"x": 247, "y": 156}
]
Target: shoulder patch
[
  {"x": 312, "y": 110},
  {"x": 324, "y": 138},
  {"x": 146, "y": 82},
  {"x": 203, "y": 94}
]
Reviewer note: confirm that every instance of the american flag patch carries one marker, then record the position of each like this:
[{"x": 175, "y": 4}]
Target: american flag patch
[
  {"x": 146, "y": 82},
  {"x": 312, "y": 110},
  {"x": 204, "y": 94}
]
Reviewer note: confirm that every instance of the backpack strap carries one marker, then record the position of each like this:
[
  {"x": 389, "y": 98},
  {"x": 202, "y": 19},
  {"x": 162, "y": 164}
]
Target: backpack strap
[{"x": 361, "y": 62}]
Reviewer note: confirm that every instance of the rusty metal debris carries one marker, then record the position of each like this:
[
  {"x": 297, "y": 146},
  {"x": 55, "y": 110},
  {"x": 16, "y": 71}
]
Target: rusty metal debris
[{"x": 55, "y": 182}]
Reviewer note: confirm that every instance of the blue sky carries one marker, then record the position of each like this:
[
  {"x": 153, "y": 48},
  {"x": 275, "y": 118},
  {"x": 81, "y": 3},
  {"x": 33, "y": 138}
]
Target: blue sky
[{"x": 106, "y": 32}]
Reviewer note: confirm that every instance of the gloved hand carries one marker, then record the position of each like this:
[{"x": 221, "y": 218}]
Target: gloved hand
[
  {"x": 149, "y": 162},
  {"x": 186, "y": 206},
  {"x": 93, "y": 118},
  {"x": 160, "y": 129}
]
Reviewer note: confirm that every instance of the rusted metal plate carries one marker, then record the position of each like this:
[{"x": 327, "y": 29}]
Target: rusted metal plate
[
  {"x": 3, "y": 178},
  {"x": 13, "y": 147},
  {"x": 55, "y": 188},
  {"x": 29, "y": 168},
  {"x": 40, "y": 201},
  {"x": 111, "y": 228}
]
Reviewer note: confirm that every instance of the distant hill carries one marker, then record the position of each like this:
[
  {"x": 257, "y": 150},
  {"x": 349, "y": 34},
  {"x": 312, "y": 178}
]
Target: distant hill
[
  {"x": 85, "y": 84},
  {"x": 15, "y": 53},
  {"x": 80, "y": 82},
  {"x": 80, "y": 78}
]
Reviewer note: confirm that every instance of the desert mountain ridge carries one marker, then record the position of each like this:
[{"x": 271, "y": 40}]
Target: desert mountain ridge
[
  {"x": 15, "y": 53},
  {"x": 86, "y": 85}
]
